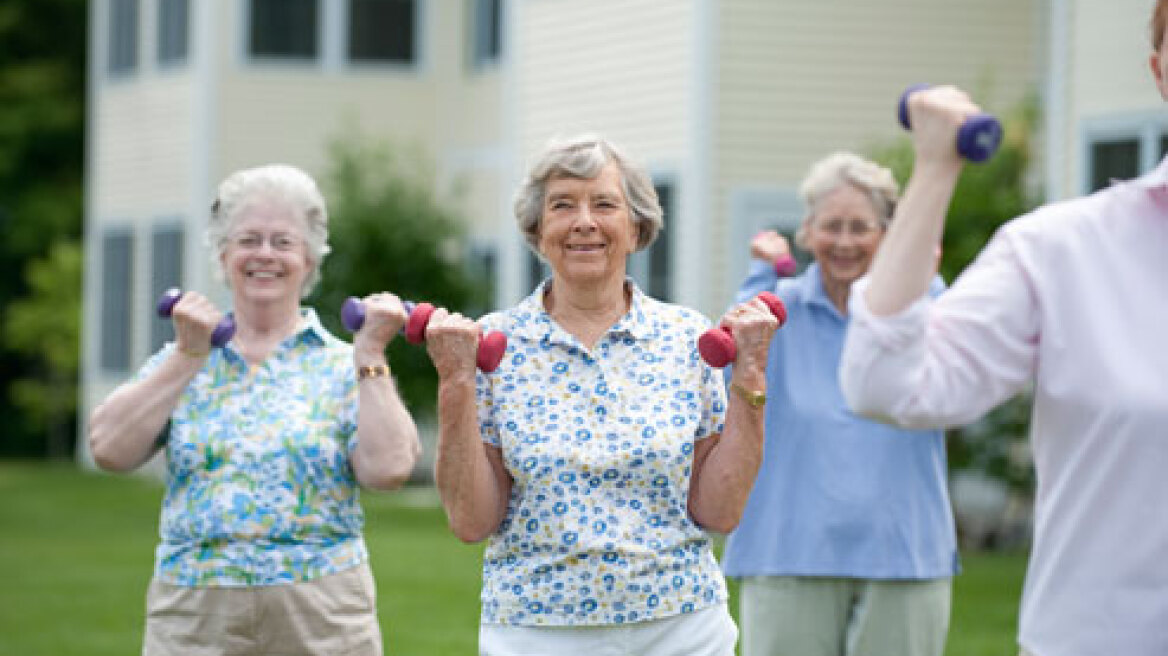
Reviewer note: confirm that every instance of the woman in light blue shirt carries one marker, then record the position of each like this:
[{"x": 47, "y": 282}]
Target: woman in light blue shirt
[{"x": 847, "y": 542}]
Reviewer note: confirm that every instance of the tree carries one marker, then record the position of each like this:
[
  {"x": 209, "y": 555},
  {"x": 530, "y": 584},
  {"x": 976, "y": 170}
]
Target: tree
[
  {"x": 388, "y": 232},
  {"x": 42, "y": 109},
  {"x": 46, "y": 327},
  {"x": 987, "y": 195}
]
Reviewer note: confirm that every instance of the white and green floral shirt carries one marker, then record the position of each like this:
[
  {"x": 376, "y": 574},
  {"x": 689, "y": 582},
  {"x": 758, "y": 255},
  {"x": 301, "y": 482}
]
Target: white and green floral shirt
[
  {"x": 600, "y": 446},
  {"x": 259, "y": 488}
]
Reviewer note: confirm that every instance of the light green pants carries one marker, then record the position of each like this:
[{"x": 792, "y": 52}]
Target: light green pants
[{"x": 813, "y": 616}]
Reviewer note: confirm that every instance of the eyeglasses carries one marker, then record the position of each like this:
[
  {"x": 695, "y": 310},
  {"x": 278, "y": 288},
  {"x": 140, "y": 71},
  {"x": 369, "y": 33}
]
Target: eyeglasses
[
  {"x": 253, "y": 241},
  {"x": 854, "y": 227}
]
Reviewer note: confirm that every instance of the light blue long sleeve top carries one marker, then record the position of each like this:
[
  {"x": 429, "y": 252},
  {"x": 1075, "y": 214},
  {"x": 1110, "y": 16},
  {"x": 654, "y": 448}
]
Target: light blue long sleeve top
[{"x": 837, "y": 495}]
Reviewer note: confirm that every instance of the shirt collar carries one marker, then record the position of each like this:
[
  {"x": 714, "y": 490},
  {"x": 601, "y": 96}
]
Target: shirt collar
[{"x": 534, "y": 323}]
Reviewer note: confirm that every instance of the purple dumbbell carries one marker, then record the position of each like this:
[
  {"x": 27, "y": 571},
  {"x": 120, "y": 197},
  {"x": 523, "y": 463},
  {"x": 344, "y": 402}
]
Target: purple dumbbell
[
  {"x": 491, "y": 346},
  {"x": 223, "y": 332},
  {"x": 978, "y": 137}
]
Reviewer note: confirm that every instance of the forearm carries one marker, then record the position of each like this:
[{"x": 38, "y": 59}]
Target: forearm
[
  {"x": 905, "y": 263},
  {"x": 722, "y": 480},
  {"x": 124, "y": 429},
  {"x": 387, "y": 446},
  {"x": 472, "y": 494}
]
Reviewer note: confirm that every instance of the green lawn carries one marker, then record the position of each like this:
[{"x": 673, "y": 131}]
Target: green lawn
[{"x": 76, "y": 552}]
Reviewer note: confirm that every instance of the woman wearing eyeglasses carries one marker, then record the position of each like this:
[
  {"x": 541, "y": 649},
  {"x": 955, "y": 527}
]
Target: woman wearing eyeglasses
[
  {"x": 265, "y": 440},
  {"x": 847, "y": 544}
]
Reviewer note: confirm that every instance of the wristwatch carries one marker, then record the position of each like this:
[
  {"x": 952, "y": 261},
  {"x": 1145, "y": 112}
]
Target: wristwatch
[{"x": 756, "y": 398}]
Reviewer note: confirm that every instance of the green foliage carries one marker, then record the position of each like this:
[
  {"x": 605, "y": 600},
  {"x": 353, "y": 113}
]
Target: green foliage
[
  {"x": 389, "y": 233},
  {"x": 45, "y": 326},
  {"x": 987, "y": 195},
  {"x": 42, "y": 110}
]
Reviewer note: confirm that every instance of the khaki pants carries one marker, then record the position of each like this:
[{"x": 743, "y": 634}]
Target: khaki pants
[
  {"x": 814, "y": 616},
  {"x": 334, "y": 614}
]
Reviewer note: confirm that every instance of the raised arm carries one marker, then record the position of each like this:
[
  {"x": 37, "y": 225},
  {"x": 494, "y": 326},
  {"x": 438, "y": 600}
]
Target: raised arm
[
  {"x": 388, "y": 446},
  {"x": 472, "y": 481},
  {"x": 725, "y": 465},
  {"x": 124, "y": 428}
]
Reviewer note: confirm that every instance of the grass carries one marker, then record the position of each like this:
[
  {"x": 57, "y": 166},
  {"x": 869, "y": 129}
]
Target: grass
[{"x": 76, "y": 552}]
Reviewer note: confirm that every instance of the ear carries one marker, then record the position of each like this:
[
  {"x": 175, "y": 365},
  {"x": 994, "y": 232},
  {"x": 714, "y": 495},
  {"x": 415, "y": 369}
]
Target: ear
[{"x": 1157, "y": 66}]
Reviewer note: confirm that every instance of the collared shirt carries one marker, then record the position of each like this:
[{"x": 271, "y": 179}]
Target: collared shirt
[
  {"x": 600, "y": 445},
  {"x": 259, "y": 487},
  {"x": 837, "y": 494},
  {"x": 1073, "y": 297}
]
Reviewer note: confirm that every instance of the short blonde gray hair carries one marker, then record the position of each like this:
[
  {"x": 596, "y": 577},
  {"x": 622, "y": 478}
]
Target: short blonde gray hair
[
  {"x": 584, "y": 157},
  {"x": 279, "y": 182},
  {"x": 838, "y": 169}
]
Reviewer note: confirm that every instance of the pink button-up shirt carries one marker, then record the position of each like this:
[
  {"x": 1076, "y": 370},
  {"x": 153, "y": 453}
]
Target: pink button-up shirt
[{"x": 1074, "y": 299}]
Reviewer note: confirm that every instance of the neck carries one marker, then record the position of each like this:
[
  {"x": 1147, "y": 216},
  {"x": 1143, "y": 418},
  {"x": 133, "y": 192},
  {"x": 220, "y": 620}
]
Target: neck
[
  {"x": 587, "y": 311},
  {"x": 837, "y": 292},
  {"x": 259, "y": 327}
]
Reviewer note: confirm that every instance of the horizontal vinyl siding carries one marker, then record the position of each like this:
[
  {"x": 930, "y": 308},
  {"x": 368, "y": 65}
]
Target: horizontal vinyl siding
[
  {"x": 1110, "y": 58},
  {"x": 142, "y": 141},
  {"x": 616, "y": 67}
]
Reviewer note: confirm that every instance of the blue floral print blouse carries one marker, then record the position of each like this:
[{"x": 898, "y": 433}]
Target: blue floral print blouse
[
  {"x": 259, "y": 487},
  {"x": 600, "y": 446}
]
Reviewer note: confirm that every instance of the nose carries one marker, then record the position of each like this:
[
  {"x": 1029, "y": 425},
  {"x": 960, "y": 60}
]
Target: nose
[{"x": 584, "y": 221}]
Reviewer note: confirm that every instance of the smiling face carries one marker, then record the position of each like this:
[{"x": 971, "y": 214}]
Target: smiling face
[
  {"x": 266, "y": 259},
  {"x": 843, "y": 235},
  {"x": 586, "y": 230}
]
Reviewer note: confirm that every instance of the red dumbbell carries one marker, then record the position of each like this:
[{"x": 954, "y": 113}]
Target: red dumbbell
[
  {"x": 785, "y": 265},
  {"x": 717, "y": 346},
  {"x": 491, "y": 346}
]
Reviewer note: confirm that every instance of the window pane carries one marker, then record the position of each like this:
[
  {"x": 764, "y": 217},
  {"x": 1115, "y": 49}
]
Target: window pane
[
  {"x": 487, "y": 30},
  {"x": 537, "y": 270},
  {"x": 1163, "y": 146},
  {"x": 166, "y": 250},
  {"x": 381, "y": 30},
  {"x": 1114, "y": 160},
  {"x": 117, "y": 265},
  {"x": 284, "y": 28},
  {"x": 659, "y": 256},
  {"x": 123, "y": 36},
  {"x": 172, "y": 30}
]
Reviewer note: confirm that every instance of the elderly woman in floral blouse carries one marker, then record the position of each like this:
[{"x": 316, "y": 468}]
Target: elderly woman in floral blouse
[
  {"x": 595, "y": 456},
  {"x": 265, "y": 440}
]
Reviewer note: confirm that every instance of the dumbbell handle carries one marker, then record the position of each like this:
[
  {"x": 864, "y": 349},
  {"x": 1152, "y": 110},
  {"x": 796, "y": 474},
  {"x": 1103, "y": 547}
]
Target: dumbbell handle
[
  {"x": 491, "y": 346},
  {"x": 717, "y": 346},
  {"x": 978, "y": 137},
  {"x": 224, "y": 330}
]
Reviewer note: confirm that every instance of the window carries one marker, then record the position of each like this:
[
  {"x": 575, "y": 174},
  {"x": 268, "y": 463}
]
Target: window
[
  {"x": 173, "y": 18},
  {"x": 481, "y": 265},
  {"x": 1114, "y": 160},
  {"x": 117, "y": 267},
  {"x": 123, "y": 36},
  {"x": 537, "y": 270},
  {"x": 284, "y": 28},
  {"x": 166, "y": 267},
  {"x": 652, "y": 268},
  {"x": 382, "y": 30},
  {"x": 486, "y": 31}
]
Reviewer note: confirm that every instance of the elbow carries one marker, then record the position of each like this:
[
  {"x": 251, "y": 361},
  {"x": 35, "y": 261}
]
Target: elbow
[
  {"x": 470, "y": 534},
  {"x": 386, "y": 478},
  {"x": 105, "y": 456},
  {"x": 721, "y": 522}
]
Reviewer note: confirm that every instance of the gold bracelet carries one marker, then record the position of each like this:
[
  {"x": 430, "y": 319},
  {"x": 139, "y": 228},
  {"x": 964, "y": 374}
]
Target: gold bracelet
[
  {"x": 373, "y": 371},
  {"x": 756, "y": 398},
  {"x": 191, "y": 354}
]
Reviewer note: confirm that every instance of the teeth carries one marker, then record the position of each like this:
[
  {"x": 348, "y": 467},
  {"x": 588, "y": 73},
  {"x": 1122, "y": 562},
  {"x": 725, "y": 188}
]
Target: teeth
[{"x": 266, "y": 275}]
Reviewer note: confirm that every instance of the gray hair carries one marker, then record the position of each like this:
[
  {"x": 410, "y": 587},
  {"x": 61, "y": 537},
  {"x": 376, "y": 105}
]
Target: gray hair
[
  {"x": 280, "y": 182},
  {"x": 838, "y": 169},
  {"x": 584, "y": 157}
]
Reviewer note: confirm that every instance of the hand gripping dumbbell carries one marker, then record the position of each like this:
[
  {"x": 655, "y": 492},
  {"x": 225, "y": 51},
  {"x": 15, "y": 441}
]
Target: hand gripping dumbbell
[
  {"x": 717, "y": 346},
  {"x": 491, "y": 346},
  {"x": 224, "y": 330},
  {"x": 978, "y": 137}
]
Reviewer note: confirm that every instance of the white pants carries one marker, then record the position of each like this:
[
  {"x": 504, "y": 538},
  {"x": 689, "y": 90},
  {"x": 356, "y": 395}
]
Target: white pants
[
  {"x": 822, "y": 616},
  {"x": 707, "y": 632}
]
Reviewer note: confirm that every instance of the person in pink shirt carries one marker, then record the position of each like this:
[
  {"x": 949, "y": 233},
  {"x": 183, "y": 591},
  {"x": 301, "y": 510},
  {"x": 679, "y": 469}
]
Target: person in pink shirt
[{"x": 1071, "y": 299}]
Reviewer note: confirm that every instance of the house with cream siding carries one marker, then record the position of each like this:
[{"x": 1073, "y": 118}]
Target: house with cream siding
[{"x": 727, "y": 102}]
